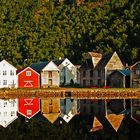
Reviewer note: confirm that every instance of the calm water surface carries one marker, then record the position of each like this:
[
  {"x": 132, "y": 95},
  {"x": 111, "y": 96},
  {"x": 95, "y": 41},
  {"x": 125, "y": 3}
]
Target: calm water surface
[{"x": 69, "y": 119}]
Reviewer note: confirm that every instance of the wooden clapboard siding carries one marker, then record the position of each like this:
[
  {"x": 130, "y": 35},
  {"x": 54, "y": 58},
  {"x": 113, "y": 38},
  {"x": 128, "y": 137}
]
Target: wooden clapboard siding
[{"x": 50, "y": 109}]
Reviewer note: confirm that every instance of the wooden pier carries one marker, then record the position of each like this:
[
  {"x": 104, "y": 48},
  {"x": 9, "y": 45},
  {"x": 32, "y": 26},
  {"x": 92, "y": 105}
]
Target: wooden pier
[{"x": 79, "y": 93}]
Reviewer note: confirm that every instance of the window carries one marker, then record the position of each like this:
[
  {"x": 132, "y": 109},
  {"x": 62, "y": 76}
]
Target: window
[
  {"x": 29, "y": 112},
  {"x": 91, "y": 73},
  {"x": 28, "y": 73},
  {"x": 91, "y": 82},
  {"x": 50, "y": 74},
  {"x": 137, "y": 71},
  {"x": 84, "y": 109},
  {"x": 50, "y": 102},
  {"x": 84, "y": 101},
  {"x": 50, "y": 108},
  {"x": 12, "y": 103},
  {"x": 91, "y": 109},
  {"x": 99, "y": 73},
  {"x": 4, "y": 72},
  {"x": 11, "y": 72},
  {"x": 84, "y": 73},
  {"x": 5, "y": 104},
  {"x": 84, "y": 82},
  {"x": 5, "y": 113},
  {"x": 12, "y": 113},
  {"x": 4, "y": 82}
]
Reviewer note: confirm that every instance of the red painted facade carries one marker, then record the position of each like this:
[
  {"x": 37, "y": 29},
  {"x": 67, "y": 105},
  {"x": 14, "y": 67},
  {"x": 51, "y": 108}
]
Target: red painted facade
[
  {"x": 28, "y": 107},
  {"x": 28, "y": 78}
]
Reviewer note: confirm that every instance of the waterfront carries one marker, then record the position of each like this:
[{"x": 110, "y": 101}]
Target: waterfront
[
  {"x": 71, "y": 119},
  {"x": 80, "y": 93}
]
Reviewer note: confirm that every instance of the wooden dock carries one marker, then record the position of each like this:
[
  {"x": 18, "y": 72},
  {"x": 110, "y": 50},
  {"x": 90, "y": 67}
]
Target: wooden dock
[{"x": 78, "y": 93}]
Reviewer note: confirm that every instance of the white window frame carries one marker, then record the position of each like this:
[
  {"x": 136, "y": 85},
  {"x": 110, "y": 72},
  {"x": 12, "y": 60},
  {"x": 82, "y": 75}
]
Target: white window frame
[
  {"x": 11, "y": 72},
  {"x": 12, "y": 113},
  {"x": 4, "y": 82},
  {"x": 4, "y": 72},
  {"x": 28, "y": 73},
  {"x": 138, "y": 71}
]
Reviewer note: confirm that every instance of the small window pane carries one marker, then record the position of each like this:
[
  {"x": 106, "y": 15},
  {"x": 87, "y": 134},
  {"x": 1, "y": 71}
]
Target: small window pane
[
  {"x": 28, "y": 73},
  {"x": 4, "y": 72}
]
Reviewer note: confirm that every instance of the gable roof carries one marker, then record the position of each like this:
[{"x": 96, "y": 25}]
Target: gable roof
[
  {"x": 52, "y": 117},
  {"x": 95, "y": 54},
  {"x": 38, "y": 66},
  {"x": 105, "y": 59},
  {"x": 22, "y": 70},
  {"x": 8, "y": 63},
  {"x": 58, "y": 62},
  {"x": 134, "y": 64},
  {"x": 8, "y": 122},
  {"x": 103, "y": 62},
  {"x": 87, "y": 64}
]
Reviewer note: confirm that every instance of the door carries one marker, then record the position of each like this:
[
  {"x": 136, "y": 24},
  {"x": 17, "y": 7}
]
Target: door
[{"x": 50, "y": 82}]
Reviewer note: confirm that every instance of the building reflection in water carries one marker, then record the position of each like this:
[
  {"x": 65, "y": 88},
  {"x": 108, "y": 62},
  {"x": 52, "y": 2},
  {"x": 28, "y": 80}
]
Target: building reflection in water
[
  {"x": 98, "y": 114},
  {"x": 8, "y": 111}
]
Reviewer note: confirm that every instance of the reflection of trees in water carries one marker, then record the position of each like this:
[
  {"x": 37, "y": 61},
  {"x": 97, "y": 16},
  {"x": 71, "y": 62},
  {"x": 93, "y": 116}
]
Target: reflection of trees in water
[{"x": 76, "y": 129}]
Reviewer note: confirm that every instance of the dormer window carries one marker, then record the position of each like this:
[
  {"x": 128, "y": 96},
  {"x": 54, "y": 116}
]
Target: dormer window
[
  {"x": 4, "y": 72},
  {"x": 28, "y": 73}
]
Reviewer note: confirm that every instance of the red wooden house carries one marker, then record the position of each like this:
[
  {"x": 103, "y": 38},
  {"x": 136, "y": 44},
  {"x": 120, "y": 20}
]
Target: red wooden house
[
  {"x": 28, "y": 78},
  {"x": 28, "y": 107}
]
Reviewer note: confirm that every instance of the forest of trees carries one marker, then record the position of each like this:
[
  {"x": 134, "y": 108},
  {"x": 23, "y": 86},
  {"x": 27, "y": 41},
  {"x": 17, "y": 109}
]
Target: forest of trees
[{"x": 41, "y": 30}]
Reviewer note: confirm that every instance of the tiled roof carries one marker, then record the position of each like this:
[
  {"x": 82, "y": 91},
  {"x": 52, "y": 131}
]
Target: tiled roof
[{"x": 38, "y": 66}]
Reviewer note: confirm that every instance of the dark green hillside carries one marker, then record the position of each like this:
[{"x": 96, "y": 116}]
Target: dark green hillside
[{"x": 35, "y": 30}]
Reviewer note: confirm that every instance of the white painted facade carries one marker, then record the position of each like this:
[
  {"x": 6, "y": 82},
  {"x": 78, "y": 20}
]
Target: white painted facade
[
  {"x": 8, "y": 111},
  {"x": 68, "y": 72},
  {"x": 50, "y": 67},
  {"x": 55, "y": 79},
  {"x": 69, "y": 108},
  {"x": 8, "y": 77}
]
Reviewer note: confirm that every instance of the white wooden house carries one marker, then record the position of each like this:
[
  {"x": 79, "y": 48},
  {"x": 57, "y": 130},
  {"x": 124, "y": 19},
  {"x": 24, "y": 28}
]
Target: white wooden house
[
  {"x": 8, "y": 111},
  {"x": 68, "y": 72},
  {"x": 49, "y": 73},
  {"x": 8, "y": 77},
  {"x": 69, "y": 108}
]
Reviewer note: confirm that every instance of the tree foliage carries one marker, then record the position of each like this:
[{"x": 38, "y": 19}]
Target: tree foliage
[{"x": 37, "y": 30}]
